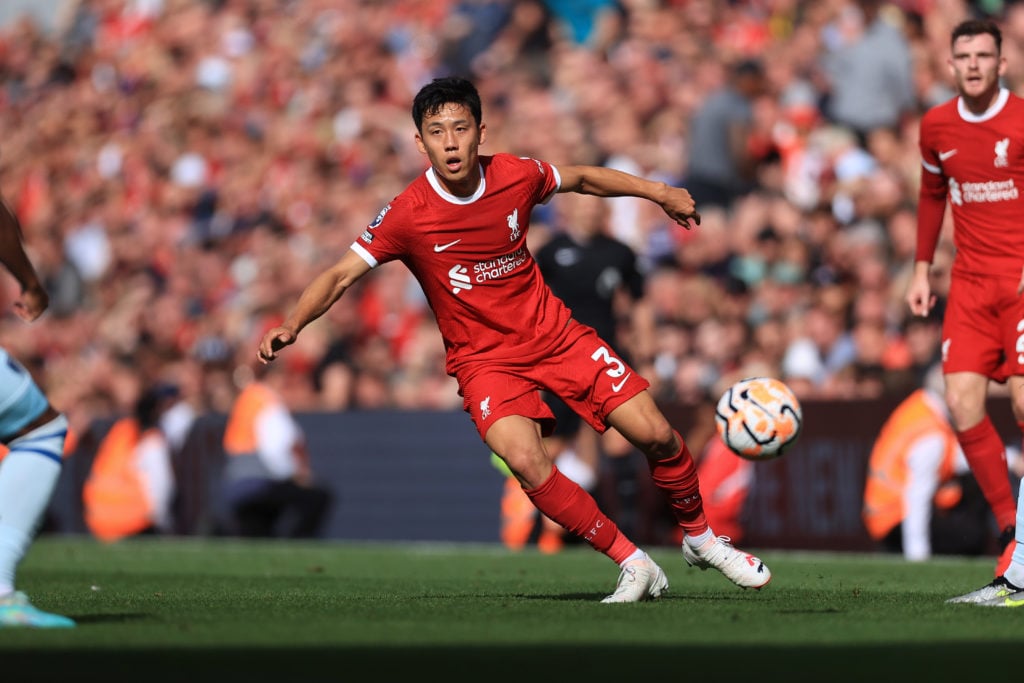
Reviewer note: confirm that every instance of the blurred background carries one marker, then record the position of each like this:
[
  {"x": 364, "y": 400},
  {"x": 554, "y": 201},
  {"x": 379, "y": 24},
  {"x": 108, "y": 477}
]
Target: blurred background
[{"x": 183, "y": 168}]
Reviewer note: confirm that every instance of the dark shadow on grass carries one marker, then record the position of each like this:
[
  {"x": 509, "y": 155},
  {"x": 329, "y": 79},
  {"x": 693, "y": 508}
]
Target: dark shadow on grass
[
  {"x": 607, "y": 661},
  {"x": 563, "y": 597},
  {"x": 111, "y": 618}
]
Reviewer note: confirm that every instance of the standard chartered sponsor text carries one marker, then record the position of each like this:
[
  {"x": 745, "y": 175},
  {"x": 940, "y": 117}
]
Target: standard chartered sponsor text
[
  {"x": 989, "y": 191},
  {"x": 503, "y": 265}
]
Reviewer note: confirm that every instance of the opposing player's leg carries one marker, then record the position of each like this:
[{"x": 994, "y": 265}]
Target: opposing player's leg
[
  {"x": 1008, "y": 536},
  {"x": 28, "y": 476},
  {"x": 1007, "y": 589},
  {"x": 16, "y": 610},
  {"x": 1007, "y": 545},
  {"x": 998, "y": 588},
  {"x": 674, "y": 472}
]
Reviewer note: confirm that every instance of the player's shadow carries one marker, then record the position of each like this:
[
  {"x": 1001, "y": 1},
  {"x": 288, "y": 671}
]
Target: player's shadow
[{"x": 111, "y": 618}]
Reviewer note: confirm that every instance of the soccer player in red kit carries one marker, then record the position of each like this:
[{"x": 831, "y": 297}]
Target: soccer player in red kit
[
  {"x": 461, "y": 229},
  {"x": 972, "y": 150}
]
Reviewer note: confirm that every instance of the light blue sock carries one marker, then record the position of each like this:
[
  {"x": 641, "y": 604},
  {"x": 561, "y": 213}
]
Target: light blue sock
[{"x": 28, "y": 476}]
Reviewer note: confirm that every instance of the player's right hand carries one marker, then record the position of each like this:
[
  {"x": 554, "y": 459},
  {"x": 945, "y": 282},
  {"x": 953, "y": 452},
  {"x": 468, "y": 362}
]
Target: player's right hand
[
  {"x": 273, "y": 341},
  {"x": 920, "y": 297},
  {"x": 680, "y": 207}
]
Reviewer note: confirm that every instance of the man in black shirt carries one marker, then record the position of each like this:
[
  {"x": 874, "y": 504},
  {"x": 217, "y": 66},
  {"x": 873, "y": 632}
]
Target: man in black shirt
[{"x": 599, "y": 279}]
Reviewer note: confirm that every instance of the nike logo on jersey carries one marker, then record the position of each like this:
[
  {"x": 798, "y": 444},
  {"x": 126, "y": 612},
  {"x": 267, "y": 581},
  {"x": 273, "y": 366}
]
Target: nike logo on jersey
[
  {"x": 438, "y": 248},
  {"x": 947, "y": 154},
  {"x": 618, "y": 387}
]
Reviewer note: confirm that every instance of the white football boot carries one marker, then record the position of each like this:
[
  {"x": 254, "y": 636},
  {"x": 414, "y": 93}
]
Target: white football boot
[
  {"x": 641, "y": 579},
  {"x": 743, "y": 569}
]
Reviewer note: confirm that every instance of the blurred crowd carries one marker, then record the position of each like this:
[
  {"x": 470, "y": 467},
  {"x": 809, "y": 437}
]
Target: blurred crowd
[{"x": 182, "y": 168}]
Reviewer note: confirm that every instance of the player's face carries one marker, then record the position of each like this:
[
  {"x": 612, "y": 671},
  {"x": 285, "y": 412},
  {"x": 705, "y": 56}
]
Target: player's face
[
  {"x": 976, "y": 66},
  {"x": 451, "y": 139}
]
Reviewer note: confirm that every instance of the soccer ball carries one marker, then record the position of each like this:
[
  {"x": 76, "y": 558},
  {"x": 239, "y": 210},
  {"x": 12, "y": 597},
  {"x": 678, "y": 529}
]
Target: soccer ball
[{"x": 758, "y": 418}]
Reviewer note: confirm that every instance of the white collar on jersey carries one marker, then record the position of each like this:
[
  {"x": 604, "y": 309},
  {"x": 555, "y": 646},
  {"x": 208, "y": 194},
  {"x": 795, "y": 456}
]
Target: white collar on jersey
[
  {"x": 966, "y": 115},
  {"x": 448, "y": 196}
]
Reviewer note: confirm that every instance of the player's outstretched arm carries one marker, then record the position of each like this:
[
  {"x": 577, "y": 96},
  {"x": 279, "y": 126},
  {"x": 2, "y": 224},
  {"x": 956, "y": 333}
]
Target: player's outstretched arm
[
  {"x": 319, "y": 295},
  {"x": 608, "y": 182},
  {"x": 34, "y": 299}
]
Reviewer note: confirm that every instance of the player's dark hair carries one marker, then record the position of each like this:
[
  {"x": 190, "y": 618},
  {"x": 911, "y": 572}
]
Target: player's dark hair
[
  {"x": 442, "y": 91},
  {"x": 976, "y": 27}
]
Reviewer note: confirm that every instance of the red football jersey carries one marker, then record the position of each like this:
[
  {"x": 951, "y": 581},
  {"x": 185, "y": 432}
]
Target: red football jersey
[
  {"x": 977, "y": 163},
  {"x": 469, "y": 255}
]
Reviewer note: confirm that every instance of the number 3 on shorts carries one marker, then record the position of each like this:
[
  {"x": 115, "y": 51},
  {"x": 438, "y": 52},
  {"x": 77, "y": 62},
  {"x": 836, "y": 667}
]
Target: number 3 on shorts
[{"x": 617, "y": 367}]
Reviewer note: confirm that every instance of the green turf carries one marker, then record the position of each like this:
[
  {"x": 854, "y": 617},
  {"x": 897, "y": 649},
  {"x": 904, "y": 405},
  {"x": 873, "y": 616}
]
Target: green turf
[{"x": 185, "y": 610}]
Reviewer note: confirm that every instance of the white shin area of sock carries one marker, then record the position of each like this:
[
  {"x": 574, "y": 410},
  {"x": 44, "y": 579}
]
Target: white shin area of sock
[
  {"x": 698, "y": 541},
  {"x": 637, "y": 554},
  {"x": 27, "y": 481}
]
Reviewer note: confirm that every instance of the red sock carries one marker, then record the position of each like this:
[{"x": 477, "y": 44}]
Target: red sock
[
  {"x": 565, "y": 502},
  {"x": 677, "y": 476},
  {"x": 986, "y": 455}
]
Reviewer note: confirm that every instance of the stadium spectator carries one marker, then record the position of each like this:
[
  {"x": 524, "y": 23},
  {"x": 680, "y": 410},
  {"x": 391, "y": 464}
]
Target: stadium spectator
[
  {"x": 867, "y": 62},
  {"x": 721, "y": 160},
  {"x": 816, "y": 358},
  {"x": 984, "y": 306},
  {"x": 131, "y": 484},
  {"x": 268, "y": 486},
  {"x": 599, "y": 279},
  {"x": 508, "y": 337},
  {"x": 591, "y": 23},
  {"x": 920, "y": 498}
]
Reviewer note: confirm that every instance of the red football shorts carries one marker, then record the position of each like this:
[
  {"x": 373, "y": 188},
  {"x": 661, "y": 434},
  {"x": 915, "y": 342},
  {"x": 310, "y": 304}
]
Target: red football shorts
[
  {"x": 582, "y": 370},
  {"x": 983, "y": 329}
]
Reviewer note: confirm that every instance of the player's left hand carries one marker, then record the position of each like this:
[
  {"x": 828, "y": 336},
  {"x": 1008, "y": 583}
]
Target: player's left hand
[
  {"x": 1020, "y": 285},
  {"x": 31, "y": 304}
]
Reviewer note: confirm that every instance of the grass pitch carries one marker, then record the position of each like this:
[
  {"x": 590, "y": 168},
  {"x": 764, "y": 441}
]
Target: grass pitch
[{"x": 189, "y": 610}]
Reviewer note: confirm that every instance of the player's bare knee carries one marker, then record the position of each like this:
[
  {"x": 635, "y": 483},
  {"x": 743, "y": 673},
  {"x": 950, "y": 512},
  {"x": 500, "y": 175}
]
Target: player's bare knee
[
  {"x": 965, "y": 411},
  {"x": 530, "y": 467},
  {"x": 657, "y": 440}
]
